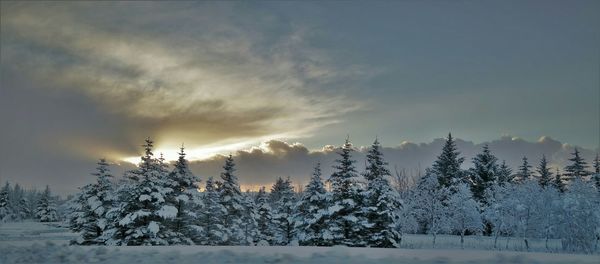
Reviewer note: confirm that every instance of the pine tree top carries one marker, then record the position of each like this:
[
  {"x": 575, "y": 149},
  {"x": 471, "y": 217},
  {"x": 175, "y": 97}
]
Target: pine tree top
[
  {"x": 376, "y": 165},
  {"x": 578, "y": 166}
]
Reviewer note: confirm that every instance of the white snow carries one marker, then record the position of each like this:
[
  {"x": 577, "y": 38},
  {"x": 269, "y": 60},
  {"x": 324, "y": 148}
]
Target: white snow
[
  {"x": 167, "y": 211},
  {"x": 34, "y": 242},
  {"x": 153, "y": 227}
]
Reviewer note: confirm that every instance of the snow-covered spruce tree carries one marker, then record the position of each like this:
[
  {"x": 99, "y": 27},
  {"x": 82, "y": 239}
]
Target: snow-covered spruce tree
[
  {"x": 185, "y": 198},
  {"x": 264, "y": 220},
  {"x": 580, "y": 217},
  {"x": 504, "y": 174},
  {"x": 463, "y": 213},
  {"x": 5, "y": 209},
  {"x": 483, "y": 174},
  {"x": 578, "y": 167},
  {"x": 381, "y": 202},
  {"x": 545, "y": 178},
  {"x": 231, "y": 199},
  {"x": 46, "y": 208},
  {"x": 428, "y": 207},
  {"x": 447, "y": 165},
  {"x": 143, "y": 211},
  {"x": 282, "y": 197},
  {"x": 312, "y": 213},
  {"x": 346, "y": 222},
  {"x": 596, "y": 177},
  {"x": 558, "y": 182},
  {"x": 19, "y": 204},
  {"x": 249, "y": 220},
  {"x": 81, "y": 217},
  {"x": 90, "y": 205},
  {"x": 524, "y": 171},
  {"x": 211, "y": 217}
]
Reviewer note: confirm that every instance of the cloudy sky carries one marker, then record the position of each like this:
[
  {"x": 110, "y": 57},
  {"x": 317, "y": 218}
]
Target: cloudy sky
[{"x": 280, "y": 84}]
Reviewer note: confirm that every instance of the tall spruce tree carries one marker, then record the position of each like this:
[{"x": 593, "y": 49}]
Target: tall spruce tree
[
  {"x": 312, "y": 214},
  {"x": 91, "y": 206},
  {"x": 211, "y": 218},
  {"x": 46, "y": 207},
  {"x": 525, "y": 171},
  {"x": 447, "y": 164},
  {"x": 483, "y": 174},
  {"x": 282, "y": 196},
  {"x": 232, "y": 200},
  {"x": 5, "y": 209},
  {"x": 264, "y": 219},
  {"x": 382, "y": 202},
  {"x": 578, "y": 167},
  {"x": 544, "y": 172},
  {"x": 184, "y": 198},
  {"x": 558, "y": 182},
  {"x": 143, "y": 211},
  {"x": 249, "y": 219},
  {"x": 504, "y": 174},
  {"x": 345, "y": 222}
]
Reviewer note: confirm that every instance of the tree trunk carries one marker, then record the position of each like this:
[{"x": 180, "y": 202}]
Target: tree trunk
[
  {"x": 496, "y": 240},
  {"x": 434, "y": 236},
  {"x": 462, "y": 239}
]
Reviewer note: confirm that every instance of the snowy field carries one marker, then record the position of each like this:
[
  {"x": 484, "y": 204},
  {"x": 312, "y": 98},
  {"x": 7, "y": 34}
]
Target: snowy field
[{"x": 33, "y": 242}]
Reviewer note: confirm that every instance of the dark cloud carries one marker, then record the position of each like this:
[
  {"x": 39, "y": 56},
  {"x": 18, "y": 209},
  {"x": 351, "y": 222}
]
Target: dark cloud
[{"x": 261, "y": 165}]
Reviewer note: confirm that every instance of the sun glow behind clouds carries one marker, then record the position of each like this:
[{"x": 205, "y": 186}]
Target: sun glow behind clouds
[{"x": 171, "y": 152}]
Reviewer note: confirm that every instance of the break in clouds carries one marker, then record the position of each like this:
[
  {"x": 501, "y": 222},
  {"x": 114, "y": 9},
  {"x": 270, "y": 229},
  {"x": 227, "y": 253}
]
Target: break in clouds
[{"x": 209, "y": 76}]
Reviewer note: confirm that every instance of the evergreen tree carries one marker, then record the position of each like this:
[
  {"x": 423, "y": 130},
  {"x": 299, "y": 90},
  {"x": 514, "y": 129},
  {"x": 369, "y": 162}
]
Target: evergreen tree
[
  {"x": 544, "y": 172},
  {"x": 249, "y": 219},
  {"x": 5, "y": 210},
  {"x": 141, "y": 216},
  {"x": 211, "y": 218},
  {"x": 46, "y": 208},
  {"x": 577, "y": 168},
  {"x": 90, "y": 206},
  {"x": 447, "y": 165},
  {"x": 345, "y": 223},
  {"x": 483, "y": 174},
  {"x": 597, "y": 172},
  {"x": 525, "y": 171},
  {"x": 382, "y": 202},
  {"x": 264, "y": 219},
  {"x": 282, "y": 195},
  {"x": 311, "y": 214},
  {"x": 558, "y": 182},
  {"x": 504, "y": 174},
  {"x": 19, "y": 204},
  {"x": 184, "y": 198},
  {"x": 232, "y": 200}
]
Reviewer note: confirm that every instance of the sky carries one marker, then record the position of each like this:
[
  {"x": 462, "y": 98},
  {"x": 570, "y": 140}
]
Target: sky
[{"x": 280, "y": 84}]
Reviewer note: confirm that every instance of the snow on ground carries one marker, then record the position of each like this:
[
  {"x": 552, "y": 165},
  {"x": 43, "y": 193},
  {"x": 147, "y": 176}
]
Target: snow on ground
[{"x": 33, "y": 242}]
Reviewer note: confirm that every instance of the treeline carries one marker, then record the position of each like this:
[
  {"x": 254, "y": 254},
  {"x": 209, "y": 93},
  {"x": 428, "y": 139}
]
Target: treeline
[
  {"x": 490, "y": 199},
  {"x": 18, "y": 204},
  {"x": 159, "y": 204}
]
